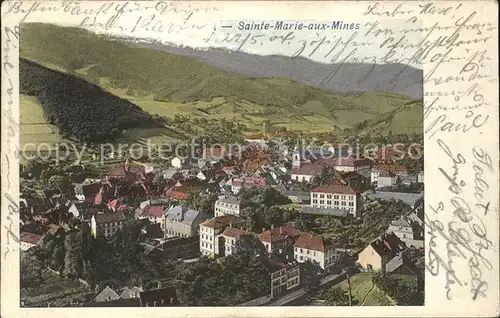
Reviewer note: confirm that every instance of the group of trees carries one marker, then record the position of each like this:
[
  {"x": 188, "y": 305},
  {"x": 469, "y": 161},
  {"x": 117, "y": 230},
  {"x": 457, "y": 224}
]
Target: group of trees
[
  {"x": 260, "y": 206},
  {"x": 118, "y": 262},
  {"x": 404, "y": 291},
  {"x": 77, "y": 107}
]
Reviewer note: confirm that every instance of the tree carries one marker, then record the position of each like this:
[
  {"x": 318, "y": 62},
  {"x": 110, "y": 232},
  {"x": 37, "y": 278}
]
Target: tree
[
  {"x": 31, "y": 270},
  {"x": 72, "y": 259},
  {"x": 59, "y": 182},
  {"x": 247, "y": 247},
  {"x": 311, "y": 273},
  {"x": 336, "y": 297},
  {"x": 303, "y": 222}
]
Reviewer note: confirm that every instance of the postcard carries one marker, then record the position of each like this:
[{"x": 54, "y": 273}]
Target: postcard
[{"x": 248, "y": 158}]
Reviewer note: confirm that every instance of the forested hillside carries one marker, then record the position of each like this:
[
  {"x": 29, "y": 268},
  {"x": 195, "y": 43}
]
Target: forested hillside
[{"x": 77, "y": 107}]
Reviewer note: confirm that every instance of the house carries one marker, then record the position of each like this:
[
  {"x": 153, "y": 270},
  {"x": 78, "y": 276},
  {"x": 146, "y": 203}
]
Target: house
[
  {"x": 180, "y": 221},
  {"x": 132, "y": 292},
  {"x": 214, "y": 154},
  {"x": 177, "y": 192},
  {"x": 409, "y": 231},
  {"x": 247, "y": 182},
  {"x": 386, "y": 178},
  {"x": 402, "y": 265},
  {"x": 401, "y": 228},
  {"x": 126, "y": 171},
  {"x": 227, "y": 205},
  {"x": 107, "y": 294},
  {"x": 163, "y": 297},
  {"x": 183, "y": 163},
  {"x": 259, "y": 139},
  {"x": 313, "y": 247},
  {"x": 205, "y": 175},
  {"x": 398, "y": 170},
  {"x": 307, "y": 172},
  {"x": 231, "y": 235},
  {"x": 154, "y": 213},
  {"x": 380, "y": 251},
  {"x": 211, "y": 242},
  {"x": 29, "y": 240},
  {"x": 336, "y": 196},
  {"x": 169, "y": 173},
  {"x": 279, "y": 240},
  {"x": 284, "y": 277},
  {"x": 106, "y": 223}
]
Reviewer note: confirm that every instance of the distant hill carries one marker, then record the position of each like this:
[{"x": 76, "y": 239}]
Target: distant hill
[
  {"x": 78, "y": 108},
  {"x": 167, "y": 84},
  {"x": 409, "y": 80}
]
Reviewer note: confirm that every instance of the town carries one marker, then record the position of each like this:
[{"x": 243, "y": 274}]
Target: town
[{"x": 265, "y": 225}]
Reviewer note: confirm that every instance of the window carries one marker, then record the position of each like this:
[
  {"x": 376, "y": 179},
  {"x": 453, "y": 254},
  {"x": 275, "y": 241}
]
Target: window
[
  {"x": 295, "y": 250},
  {"x": 308, "y": 252},
  {"x": 301, "y": 258},
  {"x": 315, "y": 195},
  {"x": 351, "y": 203},
  {"x": 315, "y": 201},
  {"x": 321, "y": 201},
  {"x": 343, "y": 197},
  {"x": 329, "y": 202},
  {"x": 328, "y": 196},
  {"x": 336, "y": 196},
  {"x": 314, "y": 253},
  {"x": 301, "y": 250},
  {"x": 343, "y": 203},
  {"x": 351, "y": 198},
  {"x": 321, "y": 196},
  {"x": 336, "y": 203}
]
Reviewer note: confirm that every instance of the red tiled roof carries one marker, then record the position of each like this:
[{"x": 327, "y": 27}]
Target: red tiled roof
[
  {"x": 279, "y": 234},
  {"x": 310, "y": 169},
  {"x": 335, "y": 188},
  {"x": 178, "y": 193},
  {"x": 233, "y": 232},
  {"x": 217, "y": 152},
  {"x": 30, "y": 238},
  {"x": 248, "y": 181},
  {"x": 311, "y": 241},
  {"x": 154, "y": 211},
  {"x": 222, "y": 221},
  {"x": 344, "y": 162}
]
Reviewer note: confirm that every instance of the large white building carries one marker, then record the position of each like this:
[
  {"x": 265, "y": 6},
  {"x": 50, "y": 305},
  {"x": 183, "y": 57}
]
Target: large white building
[
  {"x": 211, "y": 240},
  {"x": 314, "y": 247},
  {"x": 335, "y": 196},
  {"x": 227, "y": 205}
]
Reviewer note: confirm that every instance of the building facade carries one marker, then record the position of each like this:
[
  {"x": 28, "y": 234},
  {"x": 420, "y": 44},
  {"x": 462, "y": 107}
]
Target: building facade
[
  {"x": 211, "y": 240},
  {"x": 315, "y": 248},
  {"x": 336, "y": 197},
  {"x": 106, "y": 223},
  {"x": 180, "y": 221},
  {"x": 228, "y": 205}
]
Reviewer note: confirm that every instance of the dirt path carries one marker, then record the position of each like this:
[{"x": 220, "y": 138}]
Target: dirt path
[{"x": 368, "y": 293}]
